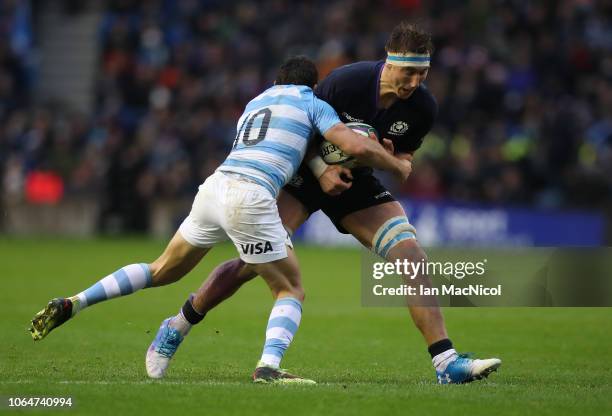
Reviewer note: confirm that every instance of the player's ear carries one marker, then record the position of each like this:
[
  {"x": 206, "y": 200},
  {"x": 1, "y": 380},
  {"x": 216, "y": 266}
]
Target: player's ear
[{"x": 314, "y": 87}]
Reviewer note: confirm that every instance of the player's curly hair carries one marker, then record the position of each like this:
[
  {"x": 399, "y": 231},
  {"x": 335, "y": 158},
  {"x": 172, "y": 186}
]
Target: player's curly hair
[
  {"x": 408, "y": 37},
  {"x": 298, "y": 70}
]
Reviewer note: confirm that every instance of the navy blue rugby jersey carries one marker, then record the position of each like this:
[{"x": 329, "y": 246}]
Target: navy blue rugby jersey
[{"x": 352, "y": 90}]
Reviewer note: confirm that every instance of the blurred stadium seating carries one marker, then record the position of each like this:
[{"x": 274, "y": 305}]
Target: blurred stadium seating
[{"x": 524, "y": 89}]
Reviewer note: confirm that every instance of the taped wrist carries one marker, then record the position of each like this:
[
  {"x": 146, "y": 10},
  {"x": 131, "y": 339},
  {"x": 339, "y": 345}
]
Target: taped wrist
[{"x": 317, "y": 166}]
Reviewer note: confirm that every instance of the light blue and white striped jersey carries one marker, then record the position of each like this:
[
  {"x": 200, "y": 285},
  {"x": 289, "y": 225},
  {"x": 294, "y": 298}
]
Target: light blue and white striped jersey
[{"x": 273, "y": 133}]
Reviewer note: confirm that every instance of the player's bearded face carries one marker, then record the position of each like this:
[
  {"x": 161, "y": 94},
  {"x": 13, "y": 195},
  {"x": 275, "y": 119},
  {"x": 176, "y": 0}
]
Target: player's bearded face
[{"x": 407, "y": 79}]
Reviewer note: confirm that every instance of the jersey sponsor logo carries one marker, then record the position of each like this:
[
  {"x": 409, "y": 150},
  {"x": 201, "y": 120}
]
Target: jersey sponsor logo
[
  {"x": 256, "y": 248},
  {"x": 382, "y": 195},
  {"x": 351, "y": 118},
  {"x": 399, "y": 127}
]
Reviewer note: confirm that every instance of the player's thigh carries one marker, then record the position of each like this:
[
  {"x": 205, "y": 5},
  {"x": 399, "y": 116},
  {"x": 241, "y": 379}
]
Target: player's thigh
[
  {"x": 178, "y": 258},
  {"x": 253, "y": 223},
  {"x": 365, "y": 192},
  {"x": 292, "y": 214},
  {"x": 282, "y": 276},
  {"x": 364, "y": 224},
  {"x": 196, "y": 235},
  {"x": 383, "y": 228},
  {"x": 264, "y": 244},
  {"x": 203, "y": 227}
]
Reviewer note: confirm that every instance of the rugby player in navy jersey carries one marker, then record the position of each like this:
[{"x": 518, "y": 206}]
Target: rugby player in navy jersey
[{"x": 390, "y": 96}]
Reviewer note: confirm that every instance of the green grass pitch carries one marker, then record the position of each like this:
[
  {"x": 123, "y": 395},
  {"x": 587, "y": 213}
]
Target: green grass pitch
[{"x": 366, "y": 360}]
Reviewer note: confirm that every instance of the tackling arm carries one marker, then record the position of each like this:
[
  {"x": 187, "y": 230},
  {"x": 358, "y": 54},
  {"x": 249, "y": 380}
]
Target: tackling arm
[
  {"x": 370, "y": 152},
  {"x": 333, "y": 179}
]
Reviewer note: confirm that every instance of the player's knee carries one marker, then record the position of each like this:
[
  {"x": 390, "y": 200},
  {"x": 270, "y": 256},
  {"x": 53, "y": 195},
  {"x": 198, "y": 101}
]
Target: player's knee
[
  {"x": 157, "y": 274},
  {"x": 155, "y": 269},
  {"x": 163, "y": 272},
  {"x": 410, "y": 250},
  {"x": 287, "y": 286},
  {"x": 244, "y": 271},
  {"x": 299, "y": 294},
  {"x": 296, "y": 292}
]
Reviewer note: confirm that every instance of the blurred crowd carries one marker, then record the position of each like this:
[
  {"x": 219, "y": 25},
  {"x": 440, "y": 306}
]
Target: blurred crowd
[{"x": 524, "y": 90}]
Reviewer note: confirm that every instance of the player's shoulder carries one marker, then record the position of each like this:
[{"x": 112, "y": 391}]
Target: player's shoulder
[
  {"x": 361, "y": 67},
  {"x": 347, "y": 84},
  {"x": 362, "y": 70},
  {"x": 302, "y": 98}
]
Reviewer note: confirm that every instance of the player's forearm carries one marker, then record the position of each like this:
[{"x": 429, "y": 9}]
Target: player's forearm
[
  {"x": 374, "y": 155},
  {"x": 368, "y": 151}
]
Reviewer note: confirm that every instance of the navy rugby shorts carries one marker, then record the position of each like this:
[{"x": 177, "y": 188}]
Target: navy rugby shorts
[{"x": 366, "y": 191}]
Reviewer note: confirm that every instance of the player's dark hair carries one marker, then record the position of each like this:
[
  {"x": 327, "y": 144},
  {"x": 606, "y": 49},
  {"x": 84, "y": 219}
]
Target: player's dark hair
[
  {"x": 408, "y": 37},
  {"x": 298, "y": 70}
]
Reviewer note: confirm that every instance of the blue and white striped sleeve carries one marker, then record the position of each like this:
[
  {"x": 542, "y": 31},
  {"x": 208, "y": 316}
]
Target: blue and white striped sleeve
[{"x": 324, "y": 116}]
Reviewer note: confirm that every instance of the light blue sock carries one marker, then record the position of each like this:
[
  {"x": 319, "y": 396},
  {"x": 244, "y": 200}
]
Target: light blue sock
[
  {"x": 282, "y": 326},
  {"x": 124, "y": 281}
]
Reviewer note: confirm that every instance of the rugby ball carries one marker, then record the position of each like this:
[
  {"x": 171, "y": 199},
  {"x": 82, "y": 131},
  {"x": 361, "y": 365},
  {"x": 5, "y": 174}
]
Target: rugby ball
[{"x": 332, "y": 155}]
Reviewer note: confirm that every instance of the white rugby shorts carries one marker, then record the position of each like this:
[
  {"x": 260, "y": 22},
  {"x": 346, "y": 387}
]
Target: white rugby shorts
[{"x": 230, "y": 206}]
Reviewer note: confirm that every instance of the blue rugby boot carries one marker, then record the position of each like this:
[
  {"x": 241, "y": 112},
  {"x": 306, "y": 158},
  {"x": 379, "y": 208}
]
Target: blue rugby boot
[
  {"x": 162, "y": 349},
  {"x": 465, "y": 369}
]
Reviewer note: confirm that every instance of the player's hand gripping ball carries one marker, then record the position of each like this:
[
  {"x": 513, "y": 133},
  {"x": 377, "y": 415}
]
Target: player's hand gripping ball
[{"x": 332, "y": 155}]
